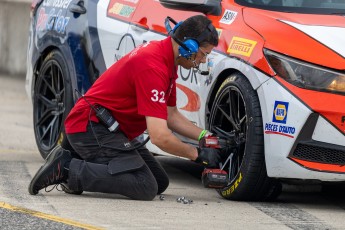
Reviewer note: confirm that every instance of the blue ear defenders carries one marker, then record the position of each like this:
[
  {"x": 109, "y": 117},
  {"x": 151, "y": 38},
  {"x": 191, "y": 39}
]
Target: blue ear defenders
[{"x": 189, "y": 46}]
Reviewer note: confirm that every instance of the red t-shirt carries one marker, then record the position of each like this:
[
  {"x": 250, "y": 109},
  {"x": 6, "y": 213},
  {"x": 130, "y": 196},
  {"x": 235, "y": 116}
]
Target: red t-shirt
[{"x": 142, "y": 83}]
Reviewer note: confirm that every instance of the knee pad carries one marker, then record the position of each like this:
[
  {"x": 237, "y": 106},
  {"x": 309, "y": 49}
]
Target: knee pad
[{"x": 125, "y": 163}]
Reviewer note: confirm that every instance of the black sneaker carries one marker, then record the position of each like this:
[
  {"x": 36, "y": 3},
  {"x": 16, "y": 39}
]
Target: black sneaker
[{"x": 52, "y": 172}]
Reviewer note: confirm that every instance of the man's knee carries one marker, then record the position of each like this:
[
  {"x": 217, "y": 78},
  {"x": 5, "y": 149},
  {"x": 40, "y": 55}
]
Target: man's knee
[{"x": 148, "y": 191}]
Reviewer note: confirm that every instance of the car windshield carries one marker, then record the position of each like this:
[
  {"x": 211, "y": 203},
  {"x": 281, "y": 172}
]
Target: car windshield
[{"x": 298, "y": 6}]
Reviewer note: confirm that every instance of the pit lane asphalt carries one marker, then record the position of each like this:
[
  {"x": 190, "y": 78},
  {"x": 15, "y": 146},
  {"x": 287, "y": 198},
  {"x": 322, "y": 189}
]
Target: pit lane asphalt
[
  {"x": 18, "y": 218},
  {"x": 19, "y": 160}
]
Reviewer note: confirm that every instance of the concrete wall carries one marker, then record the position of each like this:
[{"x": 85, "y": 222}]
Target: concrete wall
[{"x": 14, "y": 32}]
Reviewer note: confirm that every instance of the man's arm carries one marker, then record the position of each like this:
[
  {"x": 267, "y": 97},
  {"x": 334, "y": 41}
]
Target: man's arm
[
  {"x": 181, "y": 125},
  {"x": 162, "y": 137}
]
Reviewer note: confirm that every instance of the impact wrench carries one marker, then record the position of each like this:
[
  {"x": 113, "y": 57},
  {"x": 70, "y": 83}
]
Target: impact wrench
[{"x": 214, "y": 178}]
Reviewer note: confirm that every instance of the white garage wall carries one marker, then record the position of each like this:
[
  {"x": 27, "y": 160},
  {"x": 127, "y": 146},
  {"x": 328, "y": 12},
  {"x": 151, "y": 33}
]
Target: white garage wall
[{"x": 14, "y": 31}]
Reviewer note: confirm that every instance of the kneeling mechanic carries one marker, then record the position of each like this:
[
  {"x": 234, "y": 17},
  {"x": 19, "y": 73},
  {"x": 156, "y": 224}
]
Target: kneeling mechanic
[{"x": 140, "y": 92}]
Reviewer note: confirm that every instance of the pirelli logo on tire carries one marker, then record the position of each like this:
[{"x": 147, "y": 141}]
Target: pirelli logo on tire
[{"x": 233, "y": 186}]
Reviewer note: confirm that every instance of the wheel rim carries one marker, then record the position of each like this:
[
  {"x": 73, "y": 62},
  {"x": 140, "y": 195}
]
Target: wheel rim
[
  {"x": 230, "y": 115},
  {"x": 49, "y": 105}
]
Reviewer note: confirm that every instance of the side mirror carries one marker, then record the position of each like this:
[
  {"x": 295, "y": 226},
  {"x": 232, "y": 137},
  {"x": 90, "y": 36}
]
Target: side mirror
[{"x": 208, "y": 7}]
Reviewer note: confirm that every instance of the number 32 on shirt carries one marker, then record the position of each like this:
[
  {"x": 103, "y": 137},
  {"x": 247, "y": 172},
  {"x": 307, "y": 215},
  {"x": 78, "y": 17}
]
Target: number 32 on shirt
[{"x": 158, "y": 96}]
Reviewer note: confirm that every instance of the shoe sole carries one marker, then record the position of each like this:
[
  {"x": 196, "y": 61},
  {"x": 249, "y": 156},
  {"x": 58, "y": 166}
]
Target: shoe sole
[{"x": 39, "y": 173}]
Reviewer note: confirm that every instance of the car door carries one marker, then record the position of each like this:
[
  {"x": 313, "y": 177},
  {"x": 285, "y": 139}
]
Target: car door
[{"x": 113, "y": 20}]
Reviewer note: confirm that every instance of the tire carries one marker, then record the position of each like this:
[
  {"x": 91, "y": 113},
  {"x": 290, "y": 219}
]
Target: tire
[
  {"x": 333, "y": 189},
  {"x": 51, "y": 103},
  {"x": 236, "y": 109}
]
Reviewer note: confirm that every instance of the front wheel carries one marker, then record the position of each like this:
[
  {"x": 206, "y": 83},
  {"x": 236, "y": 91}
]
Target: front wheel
[
  {"x": 51, "y": 102},
  {"x": 236, "y": 110}
]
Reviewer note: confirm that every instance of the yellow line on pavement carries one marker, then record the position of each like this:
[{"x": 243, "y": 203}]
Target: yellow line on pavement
[{"x": 48, "y": 217}]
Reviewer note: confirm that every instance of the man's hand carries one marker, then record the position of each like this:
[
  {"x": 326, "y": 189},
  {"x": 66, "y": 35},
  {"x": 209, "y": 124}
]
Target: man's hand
[
  {"x": 163, "y": 138},
  {"x": 208, "y": 157}
]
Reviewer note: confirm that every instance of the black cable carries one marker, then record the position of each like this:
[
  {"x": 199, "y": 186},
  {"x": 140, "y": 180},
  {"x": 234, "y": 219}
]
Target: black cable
[
  {"x": 112, "y": 147},
  {"x": 95, "y": 135}
]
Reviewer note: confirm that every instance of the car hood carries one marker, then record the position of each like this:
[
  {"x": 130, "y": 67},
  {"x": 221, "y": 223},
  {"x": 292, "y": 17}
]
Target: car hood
[{"x": 318, "y": 39}]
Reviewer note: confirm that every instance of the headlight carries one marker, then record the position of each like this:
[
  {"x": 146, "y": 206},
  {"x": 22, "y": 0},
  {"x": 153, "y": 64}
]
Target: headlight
[{"x": 306, "y": 75}]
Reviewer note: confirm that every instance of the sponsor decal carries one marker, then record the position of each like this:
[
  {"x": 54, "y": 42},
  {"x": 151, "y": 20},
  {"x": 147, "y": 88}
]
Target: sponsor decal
[
  {"x": 52, "y": 21},
  {"x": 193, "y": 104},
  {"x": 233, "y": 187},
  {"x": 241, "y": 46},
  {"x": 126, "y": 40},
  {"x": 41, "y": 19},
  {"x": 208, "y": 80},
  {"x": 119, "y": 9},
  {"x": 57, "y": 3},
  {"x": 228, "y": 17},
  {"x": 280, "y": 113},
  {"x": 119, "y": 52},
  {"x": 187, "y": 74},
  {"x": 283, "y": 130}
]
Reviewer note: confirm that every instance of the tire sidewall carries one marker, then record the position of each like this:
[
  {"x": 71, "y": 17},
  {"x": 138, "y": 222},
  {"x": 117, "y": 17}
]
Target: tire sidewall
[{"x": 238, "y": 188}]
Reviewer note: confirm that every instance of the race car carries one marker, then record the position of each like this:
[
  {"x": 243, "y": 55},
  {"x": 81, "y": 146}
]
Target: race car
[{"x": 274, "y": 85}]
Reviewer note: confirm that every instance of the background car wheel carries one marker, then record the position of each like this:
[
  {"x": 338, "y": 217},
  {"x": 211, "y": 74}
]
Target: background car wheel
[
  {"x": 236, "y": 110},
  {"x": 52, "y": 102}
]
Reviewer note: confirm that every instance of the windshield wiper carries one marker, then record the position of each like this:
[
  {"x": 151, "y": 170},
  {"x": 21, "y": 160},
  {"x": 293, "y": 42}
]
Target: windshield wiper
[{"x": 338, "y": 13}]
